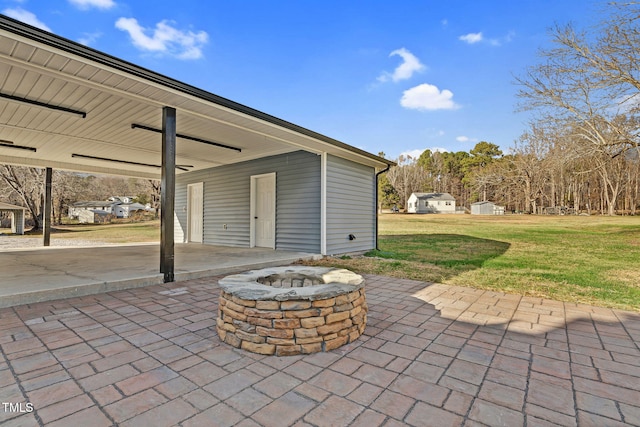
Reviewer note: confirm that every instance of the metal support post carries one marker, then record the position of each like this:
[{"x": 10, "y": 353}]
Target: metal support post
[{"x": 167, "y": 193}]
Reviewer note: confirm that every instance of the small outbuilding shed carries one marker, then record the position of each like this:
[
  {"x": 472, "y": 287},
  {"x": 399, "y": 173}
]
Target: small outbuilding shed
[
  {"x": 486, "y": 208},
  {"x": 94, "y": 216},
  {"x": 79, "y": 208},
  {"x": 17, "y": 217}
]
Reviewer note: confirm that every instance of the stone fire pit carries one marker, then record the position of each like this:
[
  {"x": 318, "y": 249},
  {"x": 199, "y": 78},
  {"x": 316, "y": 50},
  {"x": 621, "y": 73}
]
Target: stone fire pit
[{"x": 291, "y": 310}]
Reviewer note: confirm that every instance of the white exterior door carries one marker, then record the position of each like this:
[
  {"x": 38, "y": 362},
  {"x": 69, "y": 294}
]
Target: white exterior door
[
  {"x": 195, "y": 201},
  {"x": 263, "y": 210}
]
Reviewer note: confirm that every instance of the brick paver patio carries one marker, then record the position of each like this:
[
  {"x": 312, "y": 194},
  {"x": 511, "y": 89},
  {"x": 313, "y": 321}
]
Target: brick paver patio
[{"x": 432, "y": 355}]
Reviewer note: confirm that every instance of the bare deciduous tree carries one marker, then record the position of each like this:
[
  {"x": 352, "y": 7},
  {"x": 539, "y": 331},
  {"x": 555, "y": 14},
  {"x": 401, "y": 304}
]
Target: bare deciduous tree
[
  {"x": 407, "y": 177},
  {"x": 28, "y": 185},
  {"x": 589, "y": 83}
]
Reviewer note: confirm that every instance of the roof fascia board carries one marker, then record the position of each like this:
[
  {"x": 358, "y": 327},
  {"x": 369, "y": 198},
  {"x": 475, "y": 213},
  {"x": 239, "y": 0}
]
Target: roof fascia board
[{"x": 10, "y": 207}]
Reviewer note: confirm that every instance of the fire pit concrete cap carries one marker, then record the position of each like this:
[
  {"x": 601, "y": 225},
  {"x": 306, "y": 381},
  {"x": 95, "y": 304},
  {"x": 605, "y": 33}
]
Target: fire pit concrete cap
[{"x": 291, "y": 283}]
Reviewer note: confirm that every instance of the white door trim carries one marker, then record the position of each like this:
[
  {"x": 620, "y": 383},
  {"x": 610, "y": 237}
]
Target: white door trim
[
  {"x": 199, "y": 187},
  {"x": 253, "y": 209}
]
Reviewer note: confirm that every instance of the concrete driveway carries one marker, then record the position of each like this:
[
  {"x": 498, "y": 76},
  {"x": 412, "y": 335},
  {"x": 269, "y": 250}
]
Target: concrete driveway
[{"x": 431, "y": 355}]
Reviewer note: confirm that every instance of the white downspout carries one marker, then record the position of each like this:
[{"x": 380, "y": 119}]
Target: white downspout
[{"x": 323, "y": 203}]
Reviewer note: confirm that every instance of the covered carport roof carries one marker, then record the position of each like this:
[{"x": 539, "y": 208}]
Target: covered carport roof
[
  {"x": 9, "y": 207},
  {"x": 66, "y": 106},
  {"x": 17, "y": 217}
]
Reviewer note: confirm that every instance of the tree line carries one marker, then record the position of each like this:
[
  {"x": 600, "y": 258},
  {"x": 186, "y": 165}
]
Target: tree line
[
  {"x": 581, "y": 150},
  {"x": 24, "y": 186}
]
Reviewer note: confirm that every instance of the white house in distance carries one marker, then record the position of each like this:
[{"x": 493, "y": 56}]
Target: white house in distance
[
  {"x": 431, "y": 203},
  {"x": 119, "y": 207}
]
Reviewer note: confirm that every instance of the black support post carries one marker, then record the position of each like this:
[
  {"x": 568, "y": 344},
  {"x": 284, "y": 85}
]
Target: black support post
[
  {"x": 167, "y": 192},
  {"x": 46, "y": 212}
]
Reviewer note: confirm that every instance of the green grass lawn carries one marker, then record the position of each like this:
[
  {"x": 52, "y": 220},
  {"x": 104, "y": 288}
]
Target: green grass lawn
[{"x": 593, "y": 260}]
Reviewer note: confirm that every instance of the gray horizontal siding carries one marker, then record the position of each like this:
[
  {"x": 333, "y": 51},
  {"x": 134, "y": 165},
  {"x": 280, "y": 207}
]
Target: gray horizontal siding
[
  {"x": 227, "y": 201},
  {"x": 350, "y": 206}
]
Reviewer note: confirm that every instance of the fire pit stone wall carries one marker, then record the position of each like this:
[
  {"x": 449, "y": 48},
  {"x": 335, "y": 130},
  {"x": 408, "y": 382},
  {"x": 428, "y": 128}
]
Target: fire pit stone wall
[{"x": 291, "y": 310}]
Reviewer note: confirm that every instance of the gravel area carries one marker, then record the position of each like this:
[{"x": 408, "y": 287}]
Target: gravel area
[{"x": 17, "y": 242}]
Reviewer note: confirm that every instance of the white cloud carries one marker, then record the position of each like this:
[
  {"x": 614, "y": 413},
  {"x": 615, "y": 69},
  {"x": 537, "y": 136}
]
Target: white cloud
[
  {"x": 87, "y": 4},
  {"x": 438, "y": 150},
  {"x": 410, "y": 65},
  {"x": 627, "y": 104},
  {"x": 26, "y": 17},
  {"x": 510, "y": 35},
  {"x": 89, "y": 38},
  {"x": 428, "y": 97},
  {"x": 415, "y": 154},
  {"x": 500, "y": 41},
  {"x": 463, "y": 138},
  {"x": 471, "y": 38},
  {"x": 165, "y": 39}
]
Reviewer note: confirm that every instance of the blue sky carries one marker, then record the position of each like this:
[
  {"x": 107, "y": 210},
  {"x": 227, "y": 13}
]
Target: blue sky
[{"x": 385, "y": 76}]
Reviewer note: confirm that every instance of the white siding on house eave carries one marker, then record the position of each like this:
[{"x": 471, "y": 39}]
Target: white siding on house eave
[
  {"x": 350, "y": 206},
  {"x": 227, "y": 201}
]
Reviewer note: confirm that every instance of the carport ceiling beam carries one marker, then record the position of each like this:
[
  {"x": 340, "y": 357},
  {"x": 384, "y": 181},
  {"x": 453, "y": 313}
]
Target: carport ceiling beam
[
  {"x": 9, "y": 144},
  {"x": 32, "y": 102},
  {"x": 127, "y": 162},
  {"x": 190, "y": 138}
]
